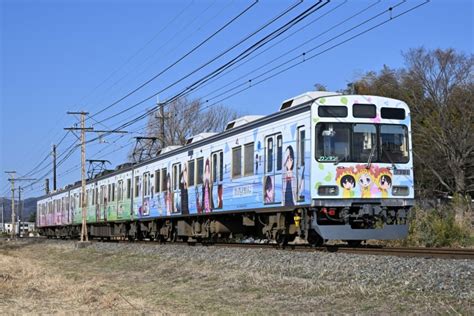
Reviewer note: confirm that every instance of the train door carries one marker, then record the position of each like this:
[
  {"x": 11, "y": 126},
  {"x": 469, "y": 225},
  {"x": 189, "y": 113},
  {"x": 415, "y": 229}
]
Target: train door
[
  {"x": 144, "y": 210},
  {"x": 176, "y": 188},
  {"x": 272, "y": 182},
  {"x": 217, "y": 162},
  {"x": 300, "y": 163}
]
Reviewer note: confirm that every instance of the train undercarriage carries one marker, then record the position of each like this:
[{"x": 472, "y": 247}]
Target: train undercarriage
[{"x": 311, "y": 225}]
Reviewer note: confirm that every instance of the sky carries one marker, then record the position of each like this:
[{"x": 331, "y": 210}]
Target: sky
[{"x": 86, "y": 55}]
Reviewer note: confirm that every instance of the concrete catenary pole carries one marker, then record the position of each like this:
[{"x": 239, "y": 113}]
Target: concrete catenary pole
[
  {"x": 12, "y": 182},
  {"x": 54, "y": 168},
  {"x": 84, "y": 129}
]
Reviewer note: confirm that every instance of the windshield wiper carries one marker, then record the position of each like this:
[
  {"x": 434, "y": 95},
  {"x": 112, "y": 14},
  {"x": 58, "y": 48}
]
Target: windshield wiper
[{"x": 369, "y": 161}]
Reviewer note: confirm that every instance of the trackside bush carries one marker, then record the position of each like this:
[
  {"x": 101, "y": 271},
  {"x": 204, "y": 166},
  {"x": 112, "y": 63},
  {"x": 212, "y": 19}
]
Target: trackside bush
[{"x": 437, "y": 227}]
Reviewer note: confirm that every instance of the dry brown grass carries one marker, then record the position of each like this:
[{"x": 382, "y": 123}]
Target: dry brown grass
[{"x": 49, "y": 278}]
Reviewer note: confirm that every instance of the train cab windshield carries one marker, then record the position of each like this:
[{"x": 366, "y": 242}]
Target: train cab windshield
[{"x": 347, "y": 142}]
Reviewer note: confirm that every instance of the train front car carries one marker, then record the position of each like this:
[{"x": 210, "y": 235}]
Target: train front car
[{"x": 362, "y": 168}]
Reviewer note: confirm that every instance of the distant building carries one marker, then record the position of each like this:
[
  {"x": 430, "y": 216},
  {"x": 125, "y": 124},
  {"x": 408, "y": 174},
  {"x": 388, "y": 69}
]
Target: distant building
[{"x": 25, "y": 229}]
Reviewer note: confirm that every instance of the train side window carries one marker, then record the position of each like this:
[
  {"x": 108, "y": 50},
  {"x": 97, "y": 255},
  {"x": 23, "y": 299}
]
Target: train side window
[
  {"x": 129, "y": 189},
  {"x": 146, "y": 184},
  {"x": 112, "y": 198},
  {"x": 269, "y": 162},
  {"x": 301, "y": 149},
  {"x": 237, "y": 162},
  {"x": 214, "y": 167},
  {"x": 120, "y": 190},
  {"x": 157, "y": 181},
  {"x": 248, "y": 159},
  {"x": 137, "y": 186},
  {"x": 279, "y": 152},
  {"x": 221, "y": 166},
  {"x": 200, "y": 170},
  {"x": 176, "y": 173},
  {"x": 191, "y": 173},
  {"x": 164, "y": 179}
]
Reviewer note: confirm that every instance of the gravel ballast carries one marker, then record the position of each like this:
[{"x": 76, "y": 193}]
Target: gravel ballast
[{"x": 199, "y": 279}]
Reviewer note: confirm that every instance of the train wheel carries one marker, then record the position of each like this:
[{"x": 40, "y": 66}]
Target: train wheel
[
  {"x": 314, "y": 239},
  {"x": 281, "y": 239}
]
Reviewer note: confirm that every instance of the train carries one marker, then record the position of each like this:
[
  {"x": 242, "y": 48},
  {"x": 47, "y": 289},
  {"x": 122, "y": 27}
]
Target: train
[{"x": 326, "y": 166}]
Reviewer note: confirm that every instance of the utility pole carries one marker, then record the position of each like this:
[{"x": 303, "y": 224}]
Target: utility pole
[
  {"x": 20, "y": 209},
  {"x": 162, "y": 124},
  {"x": 12, "y": 180},
  {"x": 54, "y": 167},
  {"x": 82, "y": 138},
  {"x": 46, "y": 186},
  {"x": 162, "y": 117},
  {"x": 3, "y": 214}
]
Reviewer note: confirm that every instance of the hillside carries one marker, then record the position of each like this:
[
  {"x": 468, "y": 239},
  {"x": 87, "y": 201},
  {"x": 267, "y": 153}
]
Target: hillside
[{"x": 28, "y": 209}]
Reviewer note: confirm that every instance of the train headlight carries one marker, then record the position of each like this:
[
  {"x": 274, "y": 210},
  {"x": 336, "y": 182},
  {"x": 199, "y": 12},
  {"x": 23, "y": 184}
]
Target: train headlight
[
  {"x": 400, "y": 191},
  {"x": 328, "y": 190}
]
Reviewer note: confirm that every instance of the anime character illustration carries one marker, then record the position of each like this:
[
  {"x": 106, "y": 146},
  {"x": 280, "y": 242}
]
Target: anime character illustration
[
  {"x": 168, "y": 195},
  {"x": 97, "y": 211},
  {"x": 256, "y": 163},
  {"x": 288, "y": 177},
  {"x": 384, "y": 181},
  {"x": 198, "y": 201},
  {"x": 345, "y": 178},
  {"x": 365, "y": 181},
  {"x": 220, "y": 192},
  {"x": 183, "y": 187},
  {"x": 206, "y": 188},
  {"x": 120, "y": 211},
  {"x": 269, "y": 190},
  {"x": 144, "y": 210}
]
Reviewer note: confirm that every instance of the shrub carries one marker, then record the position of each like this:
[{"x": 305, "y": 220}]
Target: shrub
[{"x": 438, "y": 227}]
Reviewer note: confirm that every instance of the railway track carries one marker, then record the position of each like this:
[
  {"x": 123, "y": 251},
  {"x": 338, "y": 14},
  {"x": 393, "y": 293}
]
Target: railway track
[{"x": 444, "y": 253}]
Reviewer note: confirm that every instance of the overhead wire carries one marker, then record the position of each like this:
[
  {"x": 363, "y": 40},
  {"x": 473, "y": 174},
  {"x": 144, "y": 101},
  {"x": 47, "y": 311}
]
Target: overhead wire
[
  {"x": 306, "y": 58},
  {"x": 179, "y": 59},
  {"x": 260, "y": 43},
  {"x": 148, "y": 112},
  {"x": 138, "y": 51},
  {"x": 167, "y": 25},
  {"x": 165, "y": 43}
]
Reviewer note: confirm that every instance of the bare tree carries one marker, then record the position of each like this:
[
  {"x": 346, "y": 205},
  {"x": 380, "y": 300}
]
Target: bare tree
[
  {"x": 443, "y": 113},
  {"x": 182, "y": 119}
]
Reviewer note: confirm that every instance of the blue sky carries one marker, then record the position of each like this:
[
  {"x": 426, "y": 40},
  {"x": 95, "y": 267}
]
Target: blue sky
[{"x": 58, "y": 56}]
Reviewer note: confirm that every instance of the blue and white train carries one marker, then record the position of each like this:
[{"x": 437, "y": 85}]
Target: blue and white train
[{"x": 325, "y": 166}]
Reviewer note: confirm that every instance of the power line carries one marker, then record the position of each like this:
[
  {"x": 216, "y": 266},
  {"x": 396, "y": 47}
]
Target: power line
[
  {"x": 138, "y": 51},
  {"x": 313, "y": 8},
  {"x": 312, "y": 56},
  {"x": 179, "y": 59},
  {"x": 299, "y": 56}
]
